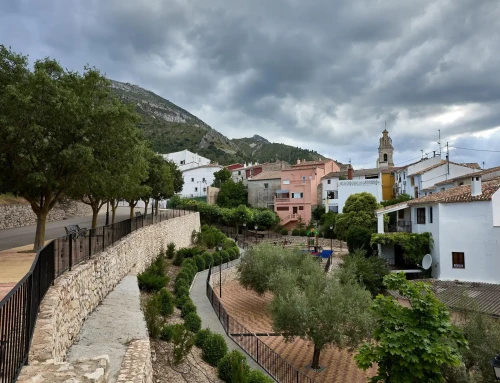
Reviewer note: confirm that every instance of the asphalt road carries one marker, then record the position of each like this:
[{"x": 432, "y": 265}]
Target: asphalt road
[{"x": 25, "y": 235}]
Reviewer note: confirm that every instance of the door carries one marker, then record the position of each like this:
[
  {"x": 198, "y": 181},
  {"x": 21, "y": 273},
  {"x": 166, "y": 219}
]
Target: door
[{"x": 294, "y": 209}]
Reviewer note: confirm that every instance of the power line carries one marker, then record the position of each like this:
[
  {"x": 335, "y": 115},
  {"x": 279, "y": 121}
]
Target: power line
[{"x": 476, "y": 150}]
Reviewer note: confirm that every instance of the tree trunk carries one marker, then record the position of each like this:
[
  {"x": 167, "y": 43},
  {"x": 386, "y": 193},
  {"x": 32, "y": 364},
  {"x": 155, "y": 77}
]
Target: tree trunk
[
  {"x": 156, "y": 206},
  {"x": 146, "y": 204},
  {"x": 315, "y": 362},
  {"x": 95, "y": 213},
  {"x": 41, "y": 219},
  {"x": 132, "y": 206},
  {"x": 114, "y": 206}
]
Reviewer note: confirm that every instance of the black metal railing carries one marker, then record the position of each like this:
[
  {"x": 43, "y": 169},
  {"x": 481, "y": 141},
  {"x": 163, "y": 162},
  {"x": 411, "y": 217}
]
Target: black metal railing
[
  {"x": 19, "y": 308},
  {"x": 281, "y": 370}
]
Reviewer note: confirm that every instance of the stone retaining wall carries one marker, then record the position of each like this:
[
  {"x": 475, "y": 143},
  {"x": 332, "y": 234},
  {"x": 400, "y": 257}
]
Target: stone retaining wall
[
  {"x": 22, "y": 214},
  {"x": 78, "y": 292},
  {"x": 136, "y": 366}
]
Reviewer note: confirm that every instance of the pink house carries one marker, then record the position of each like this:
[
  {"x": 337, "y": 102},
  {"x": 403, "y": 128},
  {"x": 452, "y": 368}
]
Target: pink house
[{"x": 299, "y": 190}]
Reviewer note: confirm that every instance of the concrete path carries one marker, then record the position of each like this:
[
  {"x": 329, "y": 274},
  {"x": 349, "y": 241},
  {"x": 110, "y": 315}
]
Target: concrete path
[
  {"x": 112, "y": 325},
  {"x": 20, "y": 236},
  {"x": 208, "y": 317}
]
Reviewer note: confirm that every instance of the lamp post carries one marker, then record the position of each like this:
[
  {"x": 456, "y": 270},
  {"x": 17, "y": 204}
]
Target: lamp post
[
  {"x": 331, "y": 237},
  {"x": 256, "y": 234},
  {"x": 495, "y": 363},
  {"x": 219, "y": 248},
  {"x": 107, "y": 213},
  {"x": 244, "y": 232}
]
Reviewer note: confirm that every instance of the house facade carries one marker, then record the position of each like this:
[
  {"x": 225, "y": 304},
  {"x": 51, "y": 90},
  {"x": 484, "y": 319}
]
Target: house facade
[
  {"x": 186, "y": 159},
  {"x": 465, "y": 225},
  {"x": 262, "y": 188},
  {"x": 485, "y": 174},
  {"x": 299, "y": 190},
  {"x": 197, "y": 180}
]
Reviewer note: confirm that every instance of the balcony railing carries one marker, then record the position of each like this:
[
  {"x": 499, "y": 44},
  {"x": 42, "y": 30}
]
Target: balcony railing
[{"x": 282, "y": 199}]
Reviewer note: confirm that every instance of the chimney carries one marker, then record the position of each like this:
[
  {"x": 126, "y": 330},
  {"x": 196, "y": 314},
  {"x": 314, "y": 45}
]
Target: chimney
[
  {"x": 298, "y": 161},
  {"x": 350, "y": 173},
  {"x": 476, "y": 187}
]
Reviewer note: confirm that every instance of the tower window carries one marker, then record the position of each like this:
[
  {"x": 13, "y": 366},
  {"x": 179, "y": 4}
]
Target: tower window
[{"x": 385, "y": 157}]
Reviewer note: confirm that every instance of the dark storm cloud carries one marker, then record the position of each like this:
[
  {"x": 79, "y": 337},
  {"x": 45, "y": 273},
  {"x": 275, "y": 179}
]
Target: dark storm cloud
[{"x": 325, "y": 75}]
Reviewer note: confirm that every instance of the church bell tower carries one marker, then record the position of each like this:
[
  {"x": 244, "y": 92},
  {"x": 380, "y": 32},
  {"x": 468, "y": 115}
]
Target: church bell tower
[{"x": 385, "y": 151}]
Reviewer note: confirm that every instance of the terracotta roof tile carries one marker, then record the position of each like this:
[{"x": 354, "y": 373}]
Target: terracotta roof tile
[
  {"x": 472, "y": 165},
  {"x": 485, "y": 296},
  {"x": 270, "y": 175}
]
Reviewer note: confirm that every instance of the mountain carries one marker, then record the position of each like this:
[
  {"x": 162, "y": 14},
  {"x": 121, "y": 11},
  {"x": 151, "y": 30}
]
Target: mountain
[{"x": 170, "y": 128}]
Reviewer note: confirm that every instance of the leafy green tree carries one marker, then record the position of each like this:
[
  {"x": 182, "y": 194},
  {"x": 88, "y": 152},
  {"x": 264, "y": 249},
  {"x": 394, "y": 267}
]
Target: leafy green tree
[
  {"x": 359, "y": 210},
  {"x": 221, "y": 176},
  {"x": 400, "y": 198},
  {"x": 232, "y": 194},
  {"x": 266, "y": 219},
  {"x": 317, "y": 212},
  {"x": 240, "y": 215},
  {"x": 307, "y": 303},
  {"x": 327, "y": 220},
  {"x": 359, "y": 238},
  {"x": 177, "y": 178},
  {"x": 160, "y": 181},
  {"x": 411, "y": 344}
]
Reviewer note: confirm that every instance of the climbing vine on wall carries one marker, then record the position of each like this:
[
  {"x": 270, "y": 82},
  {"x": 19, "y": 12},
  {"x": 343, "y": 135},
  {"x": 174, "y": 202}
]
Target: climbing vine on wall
[{"x": 414, "y": 245}]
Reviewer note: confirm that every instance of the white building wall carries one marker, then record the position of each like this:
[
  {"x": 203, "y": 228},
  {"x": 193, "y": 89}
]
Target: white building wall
[
  {"x": 432, "y": 177},
  {"x": 468, "y": 228},
  {"x": 186, "y": 159},
  {"x": 193, "y": 180},
  {"x": 332, "y": 186},
  {"x": 430, "y": 227},
  {"x": 348, "y": 187}
]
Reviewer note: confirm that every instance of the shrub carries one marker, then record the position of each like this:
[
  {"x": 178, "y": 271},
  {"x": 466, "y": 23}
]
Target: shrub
[
  {"x": 201, "y": 336},
  {"x": 192, "y": 321},
  {"x": 284, "y": 231},
  {"x": 295, "y": 232},
  {"x": 228, "y": 244},
  {"x": 183, "y": 341},
  {"x": 151, "y": 282},
  {"x": 185, "y": 275},
  {"x": 181, "y": 301},
  {"x": 190, "y": 252},
  {"x": 191, "y": 265},
  {"x": 166, "y": 332},
  {"x": 359, "y": 238},
  {"x": 200, "y": 262},
  {"x": 188, "y": 307},
  {"x": 166, "y": 302},
  {"x": 182, "y": 292},
  {"x": 224, "y": 256},
  {"x": 170, "y": 250},
  {"x": 152, "y": 316},
  {"x": 214, "y": 348},
  {"x": 209, "y": 259},
  {"x": 232, "y": 254},
  {"x": 233, "y": 367},
  {"x": 217, "y": 259},
  {"x": 180, "y": 283},
  {"x": 255, "y": 376},
  {"x": 178, "y": 259},
  {"x": 303, "y": 232},
  {"x": 237, "y": 251}
]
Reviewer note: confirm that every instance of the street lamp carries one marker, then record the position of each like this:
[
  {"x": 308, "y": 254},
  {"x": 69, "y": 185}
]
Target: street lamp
[
  {"x": 219, "y": 248},
  {"x": 244, "y": 232},
  {"x": 256, "y": 234},
  {"x": 495, "y": 363}
]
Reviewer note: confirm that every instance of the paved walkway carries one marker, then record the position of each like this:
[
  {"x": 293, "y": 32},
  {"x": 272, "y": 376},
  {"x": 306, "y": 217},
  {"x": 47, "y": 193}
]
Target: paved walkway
[
  {"x": 111, "y": 326},
  {"x": 208, "y": 317}
]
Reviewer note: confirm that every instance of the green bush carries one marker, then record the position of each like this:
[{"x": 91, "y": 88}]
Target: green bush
[
  {"x": 152, "y": 315},
  {"x": 180, "y": 283},
  {"x": 237, "y": 251},
  {"x": 233, "y": 367},
  {"x": 255, "y": 376},
  {"x": 200, "y": 262},
  {"x": 201, "y": 336},
  {"x": 185, "y": 274},
  {"x": 303, "y": 232},
  {"x": 192, "y": 321},
  {"x": 232, "y": 254},
  {"x": 183, "y": 341},
  {"x": 182, "y": 300},
  {"x": 295, "y": 232},
  {"x": 224, "y": 256},
  {"x": 171, "y": 250},
  {"x": 188, "y": 307},
  {"x": 228, "y": 244},
  {"x": 166, "y": 332},
  {"x": 217, "y": 259},
  {"x": 166, "y": 302},
  {"x": 178, "y": 259},
  {"x": 151, "y": 282},
  {"x": 209, "y": 259},
  {"x": 189, "y": 252},
  {"x": 191, "y": 265},
  {"x": 359, "y": 238},
  {"x": 182, "y": 292},
  {"x": 214, "y": 348},
  {"x": 284, "y": 231}
]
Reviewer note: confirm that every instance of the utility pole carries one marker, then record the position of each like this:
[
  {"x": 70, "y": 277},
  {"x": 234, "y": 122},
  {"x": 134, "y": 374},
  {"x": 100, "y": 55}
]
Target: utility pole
[
  {"x": 439, "y": 142},
  {"x": 448, "y": 157}
]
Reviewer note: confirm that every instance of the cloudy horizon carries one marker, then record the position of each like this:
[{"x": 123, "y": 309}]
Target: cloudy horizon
[{"x": 322, "y": 75}]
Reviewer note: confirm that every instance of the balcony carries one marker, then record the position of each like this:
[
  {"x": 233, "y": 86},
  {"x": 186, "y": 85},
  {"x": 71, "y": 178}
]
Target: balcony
[
  {"x": 276, "y": 199},
  {"x": 404, "y": 226}
]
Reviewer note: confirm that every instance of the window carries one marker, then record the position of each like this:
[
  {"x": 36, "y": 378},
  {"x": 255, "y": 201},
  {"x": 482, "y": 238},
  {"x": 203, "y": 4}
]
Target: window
[
  {"x": 286, "y": 182},
  {"x": 461, "y": 184},
  {"x": 334, "y": 208},
  {"x": 458, "y": 260},
  {"x": 421, "y": 215},
  {"x": 203, "y": 180},
  {"x": 192, "y": 179},
  {"x": 329, "y": 182},
  {"x": 404, "y": 175},
  {"x": 239, "y": 172},
  {"x": 301, "y": 207},
  {"x": 430, "y": 214},
  {"x": 297, "y": 195},
  {"x": 303, "y": 178},
  {"x": 385, "y": 157},
  {"x": 372, "y": 177},
  {"x": 401, "y": 214},
  {"x": 195, "y": 189},
  {"x": 266, "y": 186},
  {"x": 412, "y": 181},
  {"x": 282, "y": 208},
  {"x": 204, "y": 189},
  {"x": 183, "y": 162},
  {"x": 332, "y": 194},
  {"x": 416, "y": 192}
]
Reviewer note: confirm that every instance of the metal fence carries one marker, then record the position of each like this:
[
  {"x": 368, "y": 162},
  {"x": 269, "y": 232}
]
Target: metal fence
[
  {"x": 266, "y": 357},
  {"x": 19, "y": 308}
]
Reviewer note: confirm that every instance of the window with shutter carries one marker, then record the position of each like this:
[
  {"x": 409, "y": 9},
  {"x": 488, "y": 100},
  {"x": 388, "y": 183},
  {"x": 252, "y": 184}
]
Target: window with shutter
[{"x": 458, "y": 260}]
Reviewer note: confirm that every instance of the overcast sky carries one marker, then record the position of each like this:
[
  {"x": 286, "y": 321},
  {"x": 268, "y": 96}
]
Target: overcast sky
[{"x": 319, "y": 74}]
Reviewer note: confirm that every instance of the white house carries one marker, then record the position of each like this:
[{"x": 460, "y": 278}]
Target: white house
[
  {"x": 197, "y": 180},
  {"x": 186, "y": 159},
  {"x": 465, "y": 225},
  {"x": 415, "y": 179},
  {"x": 338, "y": 186},
  {"x": 485, "y": 174}
]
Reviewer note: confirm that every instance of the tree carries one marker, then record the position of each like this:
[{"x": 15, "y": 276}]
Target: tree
[
  {"x": 240, "y": 215},
  {"x": 266, "y": 218},
  {"x": 317, "y": 212},
  {"x": 48, "y": 120},
  {"x": 411, "y": 344},
  {"x": 177, "y": 178},
  {"x": 327, "y": 220},
  {"x": 160, "y": 180},
  {"x": 359, "y": 210},
  {"x": 307, "y": 302},
  {"x": 232, "y": 194},
  {"x": 221, "y": 176},
  {"x": 359, "y": 238}
]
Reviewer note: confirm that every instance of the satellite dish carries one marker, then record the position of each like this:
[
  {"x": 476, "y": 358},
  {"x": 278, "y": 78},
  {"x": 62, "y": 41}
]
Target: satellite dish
[{"x": 427, "y": 261}]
